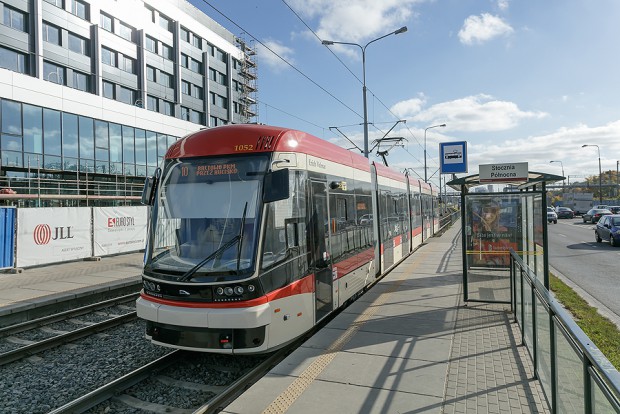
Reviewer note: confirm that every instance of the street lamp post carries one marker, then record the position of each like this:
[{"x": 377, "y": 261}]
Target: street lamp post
[
  {"x": 363, "y": 49},
  {"x": 425, "y": 129},
  {"x": 600, "y": 182},
  {"x": 564, "y": 179}
]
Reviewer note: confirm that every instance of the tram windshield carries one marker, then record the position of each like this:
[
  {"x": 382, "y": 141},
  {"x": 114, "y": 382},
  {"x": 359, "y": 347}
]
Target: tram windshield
[{"x": 207, "y": 213}]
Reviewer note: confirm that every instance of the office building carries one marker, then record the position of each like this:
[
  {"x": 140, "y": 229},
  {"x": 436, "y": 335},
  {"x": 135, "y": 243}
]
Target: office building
[{"x": 92, "y": 92}]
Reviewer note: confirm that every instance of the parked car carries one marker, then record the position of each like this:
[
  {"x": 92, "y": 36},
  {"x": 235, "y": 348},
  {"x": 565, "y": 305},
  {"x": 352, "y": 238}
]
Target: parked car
[
  {"x": 601, "y": 206},
  {"x": 552, "y": 216},
  {"x": 595, "y": 215},
  {"x": 565, "y": 212},
  {"x": 614, "y": 209},
  {"x": 608, "y": 228}
]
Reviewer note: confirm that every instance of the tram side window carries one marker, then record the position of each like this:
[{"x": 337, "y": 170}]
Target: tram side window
[
  {"x": 416, "y": 210},
  {"x": 283, "y": 230},
  {"x": 342, "y": 226}
]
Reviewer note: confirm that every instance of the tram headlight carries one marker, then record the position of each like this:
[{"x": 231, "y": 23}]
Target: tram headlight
[{"x": 239, "y": 291}]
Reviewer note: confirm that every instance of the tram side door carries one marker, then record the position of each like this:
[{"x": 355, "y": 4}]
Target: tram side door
[{"x": 320, "y": 260}]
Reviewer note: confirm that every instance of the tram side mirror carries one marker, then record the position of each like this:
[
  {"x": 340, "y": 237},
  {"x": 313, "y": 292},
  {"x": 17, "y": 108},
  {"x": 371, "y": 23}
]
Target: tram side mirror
[
  {"x": 276, "y": 186},
  {"x": 148, "y": 191}
]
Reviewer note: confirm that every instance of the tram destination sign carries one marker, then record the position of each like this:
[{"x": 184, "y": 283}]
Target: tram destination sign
[{"x": 503, "y": 173}]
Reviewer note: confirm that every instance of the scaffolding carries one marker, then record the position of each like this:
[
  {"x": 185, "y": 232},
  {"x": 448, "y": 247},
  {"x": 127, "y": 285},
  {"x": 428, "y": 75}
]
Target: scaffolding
[{"x": 248, "y": 71}]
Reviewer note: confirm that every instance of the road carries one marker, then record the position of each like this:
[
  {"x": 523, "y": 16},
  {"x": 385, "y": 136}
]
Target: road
[{"x": 592, "y": 266}]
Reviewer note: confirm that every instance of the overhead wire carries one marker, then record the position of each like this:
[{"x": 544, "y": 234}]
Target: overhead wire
[
  {"x": 281, "y": 58},
  {"x": 354, "y": 75}
]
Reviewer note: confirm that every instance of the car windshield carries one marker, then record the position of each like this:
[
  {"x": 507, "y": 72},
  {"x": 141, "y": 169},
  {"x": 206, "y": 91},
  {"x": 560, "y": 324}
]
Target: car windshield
[{"x": 206, "y": 216}]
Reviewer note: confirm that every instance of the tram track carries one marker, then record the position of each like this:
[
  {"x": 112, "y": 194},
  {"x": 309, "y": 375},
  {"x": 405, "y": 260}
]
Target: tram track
[
  {"x": 13, "y": 335},
  {"x": 126, "y": 394}
]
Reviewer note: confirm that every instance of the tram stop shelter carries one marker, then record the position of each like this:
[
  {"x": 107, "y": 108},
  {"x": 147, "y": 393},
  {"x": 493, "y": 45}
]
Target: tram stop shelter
[{"x": 493, "y": 224}]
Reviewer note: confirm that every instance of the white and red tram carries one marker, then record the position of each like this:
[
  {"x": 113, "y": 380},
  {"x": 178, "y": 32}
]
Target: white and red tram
[{"x": 258, "y": 232}]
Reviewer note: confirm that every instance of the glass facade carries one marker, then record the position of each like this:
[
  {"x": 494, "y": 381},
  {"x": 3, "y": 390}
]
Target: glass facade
[{"x": 39, "y": 141}]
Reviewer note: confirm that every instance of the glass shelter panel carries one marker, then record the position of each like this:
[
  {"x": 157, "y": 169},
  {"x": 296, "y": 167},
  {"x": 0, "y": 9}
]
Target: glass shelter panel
[{"x": 492, "y": 226}]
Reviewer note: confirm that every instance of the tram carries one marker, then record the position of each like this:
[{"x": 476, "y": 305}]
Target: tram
[{"x": 257, "y": 233}]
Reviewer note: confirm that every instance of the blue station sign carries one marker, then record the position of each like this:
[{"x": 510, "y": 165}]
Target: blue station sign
[{"x": 453, "y": 157}]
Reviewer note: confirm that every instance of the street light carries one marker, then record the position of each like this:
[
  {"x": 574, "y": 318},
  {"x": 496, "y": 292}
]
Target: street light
[
  {"x": 562, "y": 165},
  {"x": 425, "y": 129},
  {"x": 600, "y": 185},
  {"x": 363, "y": 49}
]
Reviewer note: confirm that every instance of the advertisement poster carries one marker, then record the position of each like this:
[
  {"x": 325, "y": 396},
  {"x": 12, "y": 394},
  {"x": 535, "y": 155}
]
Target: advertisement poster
[
  {"x": 119, "y": 229},
  {"x": 493, "y": 229},
  {"x": 52, "y": 234}
]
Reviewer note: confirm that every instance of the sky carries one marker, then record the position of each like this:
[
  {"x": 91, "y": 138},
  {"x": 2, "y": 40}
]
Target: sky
[{"x": 519, "y": 81}]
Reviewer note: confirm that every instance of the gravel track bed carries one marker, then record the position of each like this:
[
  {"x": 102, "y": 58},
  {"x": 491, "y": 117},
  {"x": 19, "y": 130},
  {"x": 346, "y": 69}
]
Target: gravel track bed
[
  {"x": 197, "y": 368},
  {"x": 8, "y": 346},
  {"x": 58, "y": 376}
]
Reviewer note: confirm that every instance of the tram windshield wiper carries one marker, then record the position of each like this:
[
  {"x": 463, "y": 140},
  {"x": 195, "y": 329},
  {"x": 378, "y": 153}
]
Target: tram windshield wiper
[{"x": 237, "y": 239}]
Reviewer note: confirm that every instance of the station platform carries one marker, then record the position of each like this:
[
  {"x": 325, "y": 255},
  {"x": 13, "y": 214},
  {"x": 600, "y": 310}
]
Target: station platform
[
  {"x": 39, "y": 286},
  {"x": 409, "y": 345}
]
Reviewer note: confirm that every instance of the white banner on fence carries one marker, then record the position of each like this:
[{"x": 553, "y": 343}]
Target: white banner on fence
[
  {"x": 119, "y": 229},
  {"x": 52, "y": 234}
]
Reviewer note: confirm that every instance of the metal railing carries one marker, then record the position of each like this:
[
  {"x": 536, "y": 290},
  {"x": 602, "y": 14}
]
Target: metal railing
[
  {"x": 36, "y": 189},
  {"x": 575, "y": 375}
]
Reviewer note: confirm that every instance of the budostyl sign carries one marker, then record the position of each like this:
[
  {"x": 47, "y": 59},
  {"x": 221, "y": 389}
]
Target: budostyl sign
[{"x": 503, "y": 173}]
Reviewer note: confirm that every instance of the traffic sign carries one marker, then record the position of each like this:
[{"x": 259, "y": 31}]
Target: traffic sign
[{"x": 453, "y": 157}]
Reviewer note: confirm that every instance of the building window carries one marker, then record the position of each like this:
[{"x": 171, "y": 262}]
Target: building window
[
  {"x": 78, "y": 44},
  {"x": 185, "y": 87},
  {"x": 197, "y": 42},
  {"x": 106, "y": 22},
  {"x": 11, "y": 60},
  {"x": 53, "y": 73},
  {"x": 184, "y": 60},
  {"x": 151, "y": 103},
  {"x": 57, "y": 3},
  {"x": 184, "y": 33},
  {"x": 165, "y": 51},
  {"x": 150, "y": 44},
  {"x": 108, "y": 56},
  {"x": 125, "y": 31},
  {"x": 221, "y": 78},
  {"x": 165, "y": 79},
  {"x": 185, "y": 113},
  {"x": 218, "y": 100},
  {"x": 150, "y": 73},
  {"x": 196, "y": 92},
  {"x": 108, "y": 90},
  {"x": 195, "y": 66},
  {"x": 51, "y": 34},
  {"x": 126, "y": 95},
  {"x": 221, "y": 55},
  {"x": 164, "y": 22},
  {"x": 81, "y": 81},
  {"x": 79, "y": 9},
  {"x": 128, "y": 64},
  {"x": 15, "y": 19},
  {"x": 167, "y": 108},
  {"x": 196, "y": 117}
]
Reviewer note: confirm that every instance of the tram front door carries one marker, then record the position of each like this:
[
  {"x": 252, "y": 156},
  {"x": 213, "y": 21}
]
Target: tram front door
[{"x": 320, "y": 260}]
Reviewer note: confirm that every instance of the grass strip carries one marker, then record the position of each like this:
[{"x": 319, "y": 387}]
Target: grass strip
[{"x": 599, "y": 329}]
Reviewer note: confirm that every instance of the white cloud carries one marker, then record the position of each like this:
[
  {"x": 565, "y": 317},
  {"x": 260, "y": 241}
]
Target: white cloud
[
  {"x": 472, "y": 113},
  {"x": 479, "y": 29},
  {"x": 266, "y": 54},
  {"x": 502, "y": 5},
  {"x": 355, "y": 21},
  {"x": 408, "y": 108}
]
